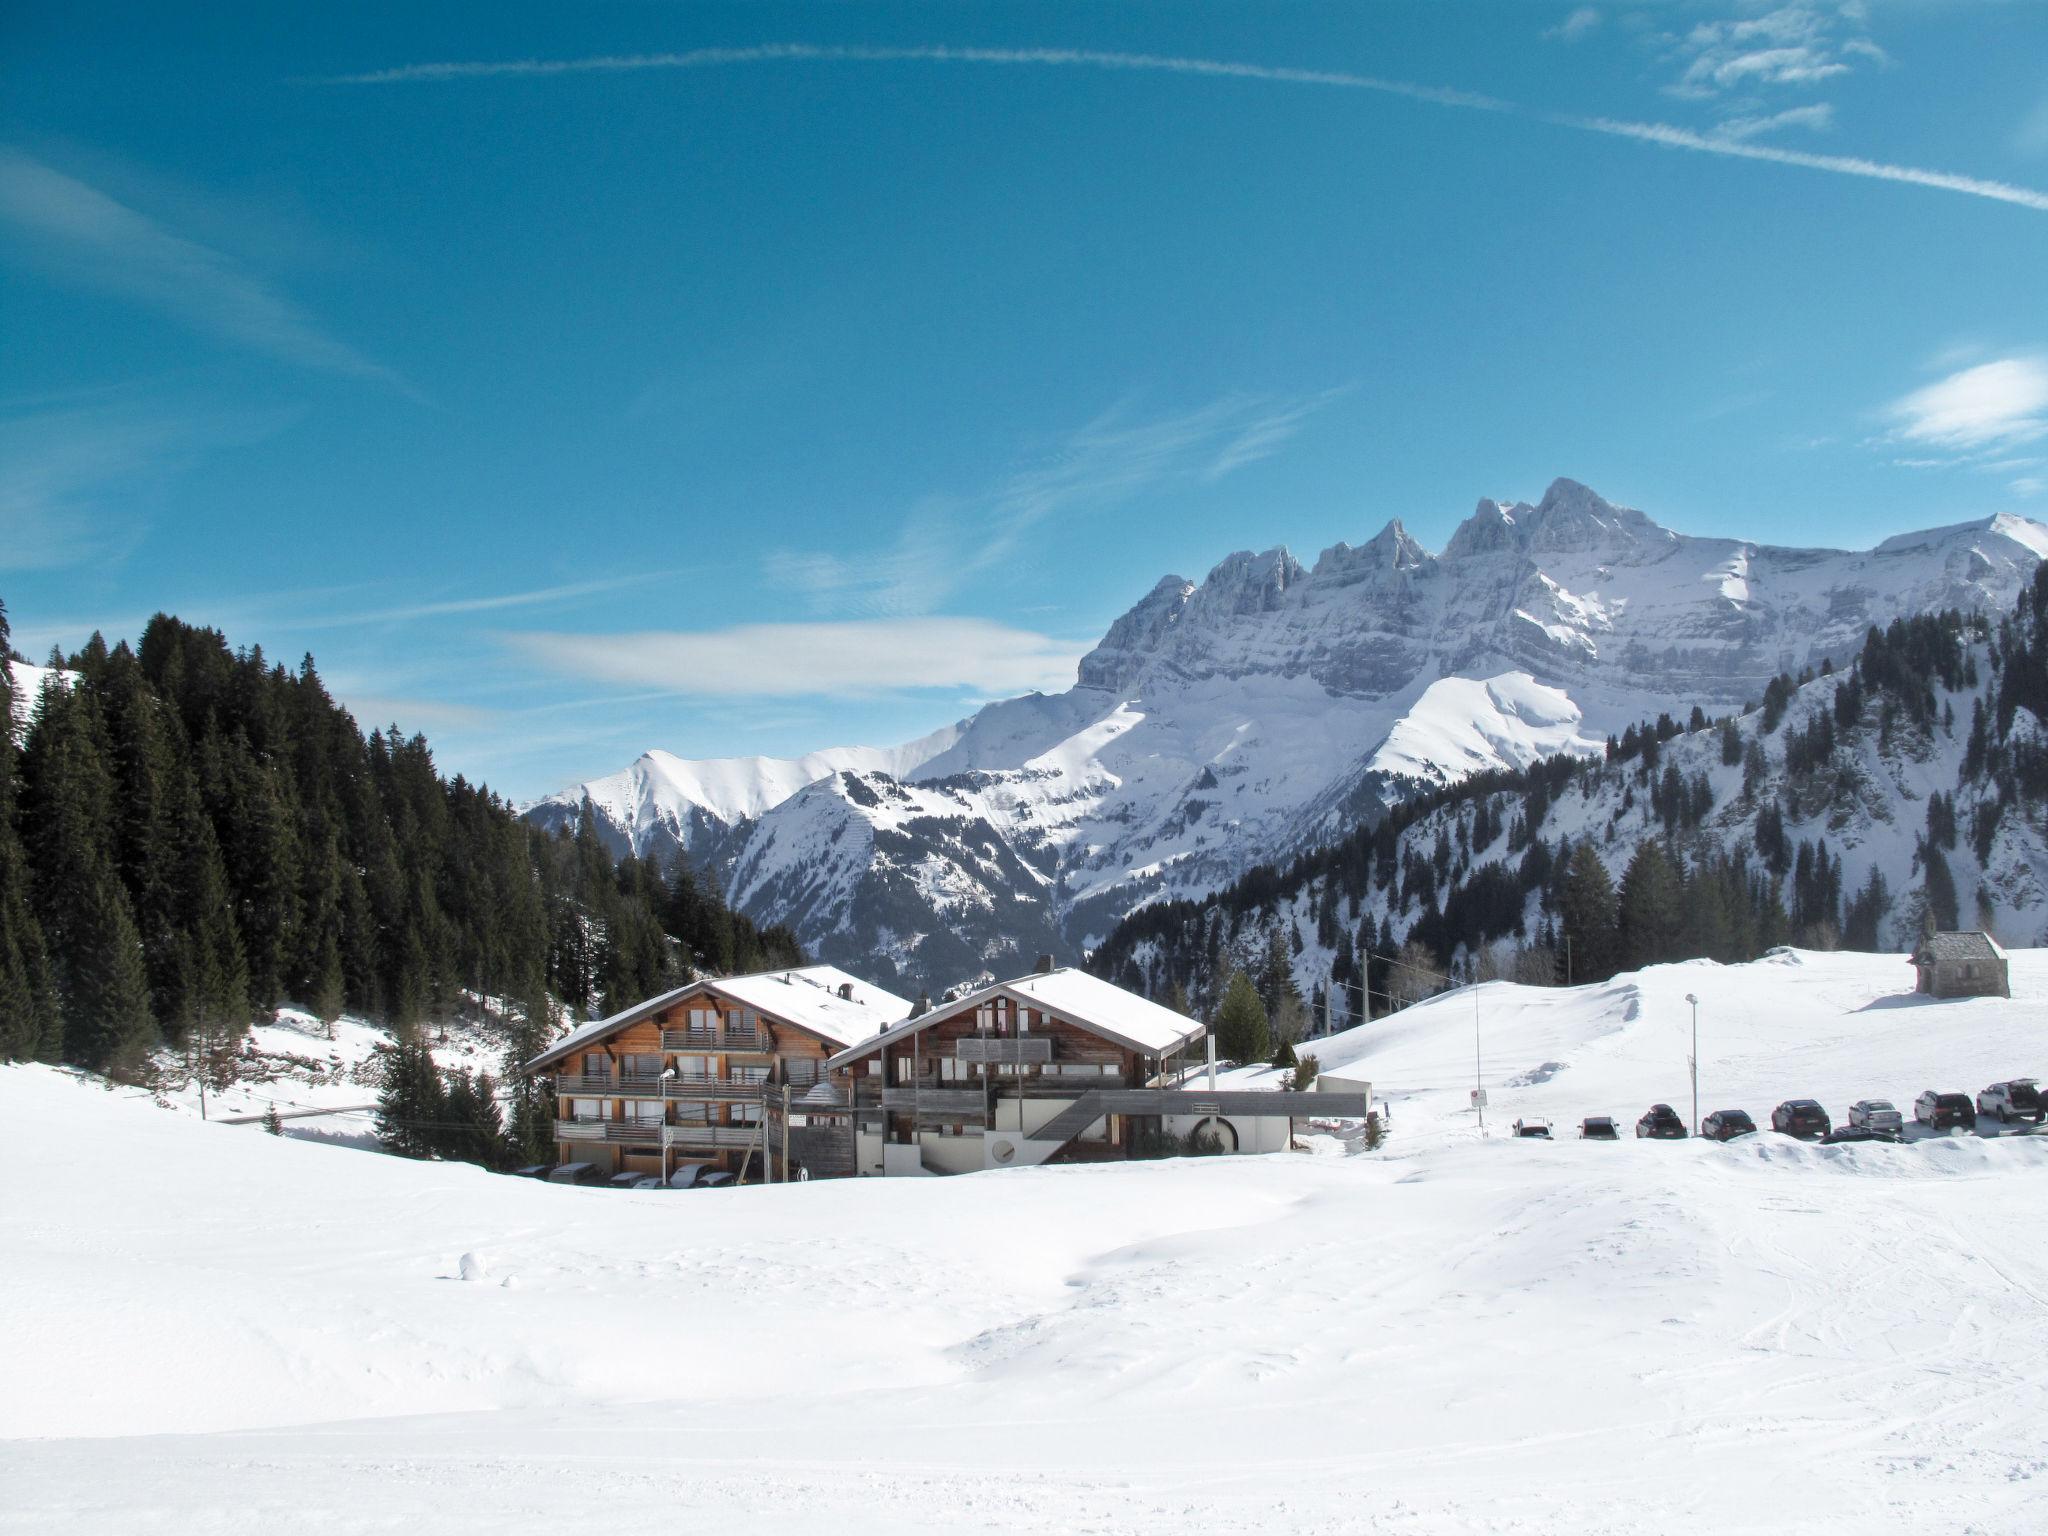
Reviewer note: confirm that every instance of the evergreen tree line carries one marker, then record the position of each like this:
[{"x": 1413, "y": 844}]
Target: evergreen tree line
[
  {"x": 191, "y": 835},
  {"x": 426, "y": 1112},
  {"x": 1680, "y": 896}
]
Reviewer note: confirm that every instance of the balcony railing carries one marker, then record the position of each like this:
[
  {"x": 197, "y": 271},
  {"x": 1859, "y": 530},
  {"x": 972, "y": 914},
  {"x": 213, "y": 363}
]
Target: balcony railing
[
  {"x": 641, "y": 1133},
  {"x": 709, "y": 1135},
  {"x": 638, "y": 1086},
  {"x": 702, "y": 1038},
  {"x": 706, "y": 1085}
]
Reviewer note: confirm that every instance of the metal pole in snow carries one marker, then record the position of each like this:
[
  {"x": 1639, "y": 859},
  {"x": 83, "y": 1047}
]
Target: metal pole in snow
[
  {"x": 1478, "y": 1081},
  {"x": 1695, "y": 1062}
]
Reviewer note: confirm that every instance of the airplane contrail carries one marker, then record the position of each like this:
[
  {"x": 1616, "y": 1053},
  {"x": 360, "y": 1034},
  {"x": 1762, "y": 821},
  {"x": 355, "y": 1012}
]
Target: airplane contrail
[{"x": 1662, "y": 135}]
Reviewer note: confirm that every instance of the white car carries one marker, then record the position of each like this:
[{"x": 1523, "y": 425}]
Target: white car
[
  {"x": 1533, "y": 1127},
  {"x": 1877, "y": 1115}
]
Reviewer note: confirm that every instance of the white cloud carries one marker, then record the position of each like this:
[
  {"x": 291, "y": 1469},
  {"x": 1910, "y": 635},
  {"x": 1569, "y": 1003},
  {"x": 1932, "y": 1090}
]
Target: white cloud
[
  {"x": 858, "y": 658},
  {"x": 2031, "y": 137},
  {"x": 88, "y": 239},
  {"x": 1575, "y": 26},
  {"x": 1819, "y": 117},
  {"x": 1793, "y": 45},
  {"x": 2029, "y": 485},
  {"x": 1651, "y": 133},
  {"x": 1992, "y": 406},
  {"x": 77, "y": 484},
  {"x": 946, "y": 541}
]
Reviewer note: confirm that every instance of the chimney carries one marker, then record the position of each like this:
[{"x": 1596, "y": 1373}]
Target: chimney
[
  {"x": 846, "y": 991},
  {"x": 1045, "y": 964}
]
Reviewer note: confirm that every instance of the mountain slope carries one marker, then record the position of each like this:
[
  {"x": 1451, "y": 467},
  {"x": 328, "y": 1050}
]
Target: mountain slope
[{"x": 1272, "y": 706}]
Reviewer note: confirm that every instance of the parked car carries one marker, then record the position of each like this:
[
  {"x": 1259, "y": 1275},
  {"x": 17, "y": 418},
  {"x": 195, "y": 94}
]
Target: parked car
[
  {"x": 576, "y": 1173},
  {"x": 2019, "y": 1099},
  {"x": 1842, "y": 1133},
  {"x": 1533, "y": 1127},
  {"x": 714, "y": 1179},
  {"x": 533, "y": 1171},
  {"x": 1803, "y": 1118},
  {"x": 1945, "y": 1111},
  {"x": 1598, "y": 1128},
  {"x": 1727, "y": 1124},
  {"x": 1877, "y": 1115},
  {"x": 1661, "y": 1123},
  {"x": 626, "y": 1180}
]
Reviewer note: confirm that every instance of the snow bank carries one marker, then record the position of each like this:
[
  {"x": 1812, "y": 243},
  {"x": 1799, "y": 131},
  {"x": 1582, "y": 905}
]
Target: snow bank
[{"x": 211, "y": 1328}]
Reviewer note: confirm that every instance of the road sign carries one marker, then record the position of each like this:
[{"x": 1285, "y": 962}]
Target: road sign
[{"x": 1479, "y": 1098}]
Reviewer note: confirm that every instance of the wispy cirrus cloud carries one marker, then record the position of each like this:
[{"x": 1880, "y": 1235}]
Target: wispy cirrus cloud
[
  {"x": 945, "y": 541},
  {"x": 862, "y": 658},
  {"x": 78, "y": 481},
  {"x": 81, "y": 236},
  {"x": 1793, "y": 45},
  {"x": 1661, "y": 134},
  {"x": 1580, "y": 23},
  {"x": 1991, "y": 407}
]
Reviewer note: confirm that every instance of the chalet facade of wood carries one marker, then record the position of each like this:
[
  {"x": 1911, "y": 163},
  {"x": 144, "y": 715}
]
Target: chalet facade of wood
[
  {"x": 1057, "y": 1066},
  {"x": 1967, "y": 964},
  {"x": 698, "y": 1077}
]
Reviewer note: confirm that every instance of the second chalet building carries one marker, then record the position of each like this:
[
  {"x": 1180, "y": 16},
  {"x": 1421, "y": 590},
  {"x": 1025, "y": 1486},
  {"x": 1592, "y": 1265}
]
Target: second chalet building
[
  {"x": 690, "y": 1078},
  {"x": 812, "y": 1072}
]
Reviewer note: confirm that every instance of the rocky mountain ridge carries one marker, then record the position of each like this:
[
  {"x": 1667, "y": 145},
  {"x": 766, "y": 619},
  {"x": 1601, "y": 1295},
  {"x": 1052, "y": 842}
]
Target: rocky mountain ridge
[{"x": 1271, "y": 706}]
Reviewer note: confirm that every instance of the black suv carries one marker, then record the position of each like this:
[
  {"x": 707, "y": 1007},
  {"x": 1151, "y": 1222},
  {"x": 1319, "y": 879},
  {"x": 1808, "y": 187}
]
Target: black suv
[
  {"x": 1945, "y": 1111},
  {"x": 1802, "y": 1118},
  {"x": 1727, "y": 1124},
  {"x": 1661, "y": 1124}
]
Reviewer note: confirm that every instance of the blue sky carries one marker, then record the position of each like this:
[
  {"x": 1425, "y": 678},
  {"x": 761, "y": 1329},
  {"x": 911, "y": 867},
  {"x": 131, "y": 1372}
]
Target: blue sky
[{"x": 572, "y": 380}]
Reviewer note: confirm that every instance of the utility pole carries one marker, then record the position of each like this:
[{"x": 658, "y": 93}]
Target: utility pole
[
  {"x": 1478, "y": 1081},
  {"x": 1695, "y": 1062}
]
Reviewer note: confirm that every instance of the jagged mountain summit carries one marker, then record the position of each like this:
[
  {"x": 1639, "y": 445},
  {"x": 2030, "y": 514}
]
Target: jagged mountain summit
[{"x": 1225, "y": 722}]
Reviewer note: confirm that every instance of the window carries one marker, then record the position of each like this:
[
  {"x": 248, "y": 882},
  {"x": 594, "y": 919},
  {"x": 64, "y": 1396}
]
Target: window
[
  {"x": 640, "y": 1066},
  {"x": 698, "y": 1113},
  {"x": 693, "y": 1066},
  {"x": 596, "y": 1064},
  {"x": 746, "y": 1114},
  {"x": 586, "y": 1109},
  {"x": 644, "y": 1111}
]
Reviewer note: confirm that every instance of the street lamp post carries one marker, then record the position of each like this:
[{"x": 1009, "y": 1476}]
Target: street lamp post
[{"x": 1695, "y": 1062}]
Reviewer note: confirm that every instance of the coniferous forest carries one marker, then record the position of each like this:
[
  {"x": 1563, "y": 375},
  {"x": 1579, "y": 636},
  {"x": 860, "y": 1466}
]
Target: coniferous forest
[
  {"x": 191, "y": 836},
  {"x": 1460, "y": 882}
]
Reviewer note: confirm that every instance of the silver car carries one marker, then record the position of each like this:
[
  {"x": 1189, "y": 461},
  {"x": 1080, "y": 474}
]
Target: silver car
[{"x": 1877, "y": 1115}]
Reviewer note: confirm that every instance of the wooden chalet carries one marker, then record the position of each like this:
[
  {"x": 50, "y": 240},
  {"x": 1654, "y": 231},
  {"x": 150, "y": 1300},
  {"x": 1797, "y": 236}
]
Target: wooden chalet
[
  {"x": 699, "y": 1077},
  {"x": 1057, "y": 1066}
]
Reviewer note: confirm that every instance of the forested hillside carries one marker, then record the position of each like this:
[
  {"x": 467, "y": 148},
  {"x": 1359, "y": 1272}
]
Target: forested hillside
[
  {"x": 1845, "y": 809},
  {"x": 191, "y": 835}
]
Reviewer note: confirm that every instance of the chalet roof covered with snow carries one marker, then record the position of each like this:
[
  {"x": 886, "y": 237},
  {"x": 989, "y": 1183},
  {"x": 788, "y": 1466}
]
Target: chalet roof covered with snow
[
  {"x": 808, "y": 997},
  {"x": 1966, "y": 945},
  {"x": 1088, "y": 1001}
]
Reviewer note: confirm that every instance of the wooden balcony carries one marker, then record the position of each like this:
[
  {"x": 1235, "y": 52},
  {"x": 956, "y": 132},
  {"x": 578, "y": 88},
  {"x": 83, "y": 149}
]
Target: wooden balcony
[
  {"x": 707, "y": 1085},
  {"x": 936, "y": 1101},
  {"x": 1009, "y": 1052},
  {"x": 722, "y": 1041},
  {"x": 604, "y": 1085},
  {"x": 709, "y": 1136},
  {"x": 632, "y": 1133}
]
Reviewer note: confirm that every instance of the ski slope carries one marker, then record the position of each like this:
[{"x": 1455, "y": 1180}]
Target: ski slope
[{"x": 210, "y": 1329}]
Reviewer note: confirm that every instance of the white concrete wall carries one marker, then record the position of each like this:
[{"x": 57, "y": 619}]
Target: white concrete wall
[
  {"x": 1255, "y": 1133},
  {"x": 952, "y": 1154},
  {"x": 867, "y": 1153}
]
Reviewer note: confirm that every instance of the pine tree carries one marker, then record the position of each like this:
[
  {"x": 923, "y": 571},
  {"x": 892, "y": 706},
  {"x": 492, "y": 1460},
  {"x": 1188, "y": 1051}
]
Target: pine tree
[
  {"x": 1241, "y": 1026},
  {"x": 102, "y": 985},
  {"x": 1587, "y": 915},
  {"x": 1651, "y": 909},
  {"x": 273, "y": 1122},
  {"x": 412, "y": 1110},
  {"x": 30, "y": 1025}
]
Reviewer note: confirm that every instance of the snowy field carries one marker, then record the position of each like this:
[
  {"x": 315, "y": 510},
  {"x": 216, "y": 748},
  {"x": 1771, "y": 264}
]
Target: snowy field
[{"x": 210, "y": 1329}]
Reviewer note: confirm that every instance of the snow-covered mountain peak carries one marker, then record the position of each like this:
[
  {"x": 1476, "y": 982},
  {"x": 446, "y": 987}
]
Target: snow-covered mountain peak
[{"x": 1269, "y": 707}]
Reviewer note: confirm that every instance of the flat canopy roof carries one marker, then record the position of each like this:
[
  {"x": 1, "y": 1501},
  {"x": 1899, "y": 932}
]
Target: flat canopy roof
[
  {"x": 807, "y": 997},
  {"x": 1089, "y": 1002}
]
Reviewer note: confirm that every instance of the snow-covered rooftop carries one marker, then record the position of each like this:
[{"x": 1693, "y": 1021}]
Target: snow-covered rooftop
[
  {"x": 808, "y": 997},
  {"x": 1075, "y": 996}
]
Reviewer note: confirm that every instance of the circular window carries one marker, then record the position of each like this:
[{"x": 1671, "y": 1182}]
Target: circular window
[{"x": 1224, "y": 1132}]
